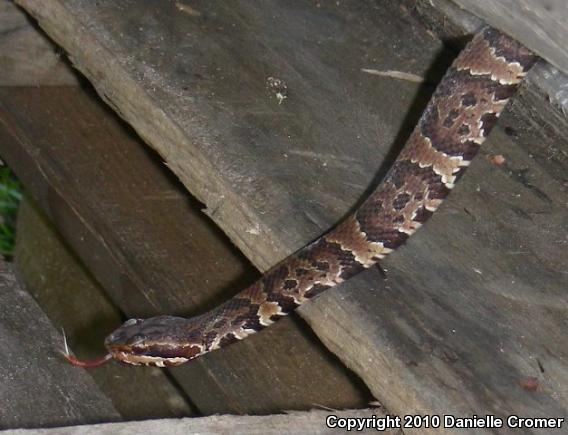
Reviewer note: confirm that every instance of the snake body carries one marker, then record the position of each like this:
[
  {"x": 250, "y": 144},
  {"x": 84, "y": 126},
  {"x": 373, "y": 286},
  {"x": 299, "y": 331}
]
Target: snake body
[{"x": 458, "y": 118}]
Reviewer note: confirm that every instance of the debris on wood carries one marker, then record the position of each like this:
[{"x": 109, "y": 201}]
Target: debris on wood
[
  {"x": 186, "y": 9},
  {"x": 278, "y": 87},
  {"x": 399, "y": 75}
]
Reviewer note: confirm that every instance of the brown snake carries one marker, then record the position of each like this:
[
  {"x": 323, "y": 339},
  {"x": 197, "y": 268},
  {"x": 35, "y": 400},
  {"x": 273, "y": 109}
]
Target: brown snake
[{"x": 458, "y": 118}]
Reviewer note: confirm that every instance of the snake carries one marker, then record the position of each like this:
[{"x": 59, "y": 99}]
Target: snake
[{"x": 456, "y": 121}]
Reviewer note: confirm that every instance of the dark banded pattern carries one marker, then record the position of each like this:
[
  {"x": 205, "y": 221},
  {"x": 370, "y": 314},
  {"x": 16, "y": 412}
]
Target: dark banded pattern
[{"x": 460, "y": 115}]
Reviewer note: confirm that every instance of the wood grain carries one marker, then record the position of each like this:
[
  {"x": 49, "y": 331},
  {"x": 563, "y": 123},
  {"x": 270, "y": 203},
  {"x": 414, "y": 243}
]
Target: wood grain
[{"x": 449, "y": 332}]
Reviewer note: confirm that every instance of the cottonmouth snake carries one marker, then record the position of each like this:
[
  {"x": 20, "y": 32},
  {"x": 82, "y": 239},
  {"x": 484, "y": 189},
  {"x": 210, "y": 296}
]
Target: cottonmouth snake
[{"x": 458, "y": 118}]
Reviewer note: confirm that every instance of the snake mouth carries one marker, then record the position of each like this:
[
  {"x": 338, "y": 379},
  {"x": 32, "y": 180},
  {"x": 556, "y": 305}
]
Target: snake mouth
[
  {"x": 148, "y": 360},
  {"x": 153, "y": 354}
]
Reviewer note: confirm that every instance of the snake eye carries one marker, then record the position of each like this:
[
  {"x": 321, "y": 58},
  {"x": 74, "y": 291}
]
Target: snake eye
[
  {"x": 136, "y": 339},
  {"x": 127, "y": 333}
]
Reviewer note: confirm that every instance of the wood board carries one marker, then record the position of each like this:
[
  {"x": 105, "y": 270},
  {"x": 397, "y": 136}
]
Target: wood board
[{"x": 292, "y": 423}]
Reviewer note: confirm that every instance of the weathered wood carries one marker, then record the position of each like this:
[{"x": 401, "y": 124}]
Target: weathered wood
[
  {"x": 73, "y": 300},
  {"x": 300, "y": 423},
  {"x": 539, "y": 24},
  {"x": 153, "y": 251},
  {"x": 449, "y": 333},
  {"x": 37, "y": 388},
  {"x": 27, "y": 57}
]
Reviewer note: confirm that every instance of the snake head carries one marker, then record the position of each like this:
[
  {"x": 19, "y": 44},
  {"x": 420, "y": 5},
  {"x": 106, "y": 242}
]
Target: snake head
[{"x": 162, "y": 341}]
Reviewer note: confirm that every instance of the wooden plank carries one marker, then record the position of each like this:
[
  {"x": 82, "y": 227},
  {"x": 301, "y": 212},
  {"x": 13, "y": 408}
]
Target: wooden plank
[
  {"x": 148, "y": 244},
  {"x": 37, "y": 388},
  {"x": 27, "y": 56},
  {"x": 540, "y": 25},
  {"x": 449, "y": 333},
  {"x": 74, "y": 301},
  {"x": 292, "y": 423}
]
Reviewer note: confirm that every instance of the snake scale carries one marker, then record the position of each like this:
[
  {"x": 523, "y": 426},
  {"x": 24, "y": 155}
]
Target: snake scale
[{"x": 461, "y": 113}]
